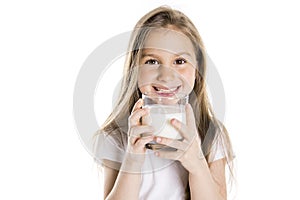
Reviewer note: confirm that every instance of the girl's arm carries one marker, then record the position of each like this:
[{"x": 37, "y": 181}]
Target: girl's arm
[
  {"x": 120, "y": 185},
  {"x": 110, "y": 176},
  {"x": 125, "y": 183},
  {"x": 209, "y": 181},
  {"x": 217, "y": 170}
]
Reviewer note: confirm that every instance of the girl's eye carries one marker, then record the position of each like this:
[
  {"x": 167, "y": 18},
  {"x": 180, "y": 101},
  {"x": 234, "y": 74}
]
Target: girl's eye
[
  {"x": 180, "y": 61},
  {"x": 151, "y": 62}
]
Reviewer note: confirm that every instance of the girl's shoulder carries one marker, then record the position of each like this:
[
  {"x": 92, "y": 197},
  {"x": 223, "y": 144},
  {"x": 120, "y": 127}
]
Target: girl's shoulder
[
  {"x": 109, "y": 146},
  {"x": 221, "y": 146},
  {"x": 116, "y": 137}
]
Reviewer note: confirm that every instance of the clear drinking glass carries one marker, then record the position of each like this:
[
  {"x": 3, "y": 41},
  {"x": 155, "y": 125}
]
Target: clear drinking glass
[{"x": 162, "y": 110}]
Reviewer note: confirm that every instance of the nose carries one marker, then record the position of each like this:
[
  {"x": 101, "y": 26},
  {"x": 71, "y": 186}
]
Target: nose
[{"x": 165, "y": 74}]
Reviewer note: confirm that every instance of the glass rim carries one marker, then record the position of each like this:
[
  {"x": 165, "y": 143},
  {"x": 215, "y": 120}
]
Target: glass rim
[{"x": 156, "y": 95}]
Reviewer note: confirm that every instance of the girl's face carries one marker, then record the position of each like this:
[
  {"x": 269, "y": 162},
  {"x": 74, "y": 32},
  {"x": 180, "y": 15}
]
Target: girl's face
[{"x": 167, "y": 65}]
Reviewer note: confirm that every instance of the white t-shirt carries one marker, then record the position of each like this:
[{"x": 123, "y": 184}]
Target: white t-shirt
[{"x": 161, "y": 178}]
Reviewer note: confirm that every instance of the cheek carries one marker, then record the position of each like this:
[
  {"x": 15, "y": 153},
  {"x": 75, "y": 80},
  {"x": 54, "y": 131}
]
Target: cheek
[
  {"x": 145, "y": 78},
  {"x": 189, "y": 77}
]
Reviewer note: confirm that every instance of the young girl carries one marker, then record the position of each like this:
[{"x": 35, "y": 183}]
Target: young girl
[{"x": 166, "y": 57}]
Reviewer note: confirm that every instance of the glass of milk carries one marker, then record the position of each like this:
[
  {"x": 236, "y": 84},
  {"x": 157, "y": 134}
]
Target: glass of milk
[{"x": 162, "y": 110}]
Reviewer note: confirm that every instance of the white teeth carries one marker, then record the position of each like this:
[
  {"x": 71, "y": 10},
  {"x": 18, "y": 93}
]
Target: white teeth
[{"x": 167, "y": 90}]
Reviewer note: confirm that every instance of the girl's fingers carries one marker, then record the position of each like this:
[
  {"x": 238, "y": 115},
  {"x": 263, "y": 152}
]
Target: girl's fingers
[
  {"x": 172, "y": 155},
  {"x": 177, "y": 144},
  {"x": 181, "y": 128},
  {"x": 137, "y": 133},
  {"x": 135, "y": 117},
  {"x": 187, "y": 130},
  {"x": 137, "y": 105},
  {"x": 142, "y": 141},
  {"x": 142, "y": 130}
]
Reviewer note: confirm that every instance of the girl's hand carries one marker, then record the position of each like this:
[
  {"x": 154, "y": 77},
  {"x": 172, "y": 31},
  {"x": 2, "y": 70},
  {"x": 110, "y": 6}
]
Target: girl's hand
[
  {"x": 138, "y": 136},
  {"x": 189, "y": 151}
]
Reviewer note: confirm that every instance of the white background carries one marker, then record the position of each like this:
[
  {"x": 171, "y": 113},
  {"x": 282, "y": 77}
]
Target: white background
[{"x": 254, "y": 44}]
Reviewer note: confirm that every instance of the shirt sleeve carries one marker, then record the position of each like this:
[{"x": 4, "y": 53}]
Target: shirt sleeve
[
  {"x": 218, "y": 148},
  {"x": 109, "y": 147}
]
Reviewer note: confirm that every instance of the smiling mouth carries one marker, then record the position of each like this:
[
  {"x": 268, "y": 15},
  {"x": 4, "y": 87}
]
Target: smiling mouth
[{"x": 166, "y": 91}]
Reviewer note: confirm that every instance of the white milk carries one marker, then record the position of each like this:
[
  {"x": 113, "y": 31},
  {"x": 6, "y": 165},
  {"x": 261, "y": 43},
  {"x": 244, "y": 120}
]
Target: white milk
[{"x": 161, "y": 116}]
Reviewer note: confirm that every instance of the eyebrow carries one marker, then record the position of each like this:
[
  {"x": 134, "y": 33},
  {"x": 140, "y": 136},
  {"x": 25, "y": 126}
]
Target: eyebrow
[
  {"x": 183, "y": 53},
  {"x": 148, "y": 54},
  {"x": 155, "y": 55}
]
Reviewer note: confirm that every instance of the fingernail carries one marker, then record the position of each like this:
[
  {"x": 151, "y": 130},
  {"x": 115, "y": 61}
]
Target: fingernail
[{"x": 158, "y": 139}]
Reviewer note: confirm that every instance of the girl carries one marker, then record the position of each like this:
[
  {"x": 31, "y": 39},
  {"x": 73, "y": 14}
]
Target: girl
[{"x": 166, "y": 56}]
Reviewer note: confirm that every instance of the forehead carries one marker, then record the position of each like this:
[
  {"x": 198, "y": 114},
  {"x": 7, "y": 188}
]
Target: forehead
[{"x": 168, "y": 40}]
